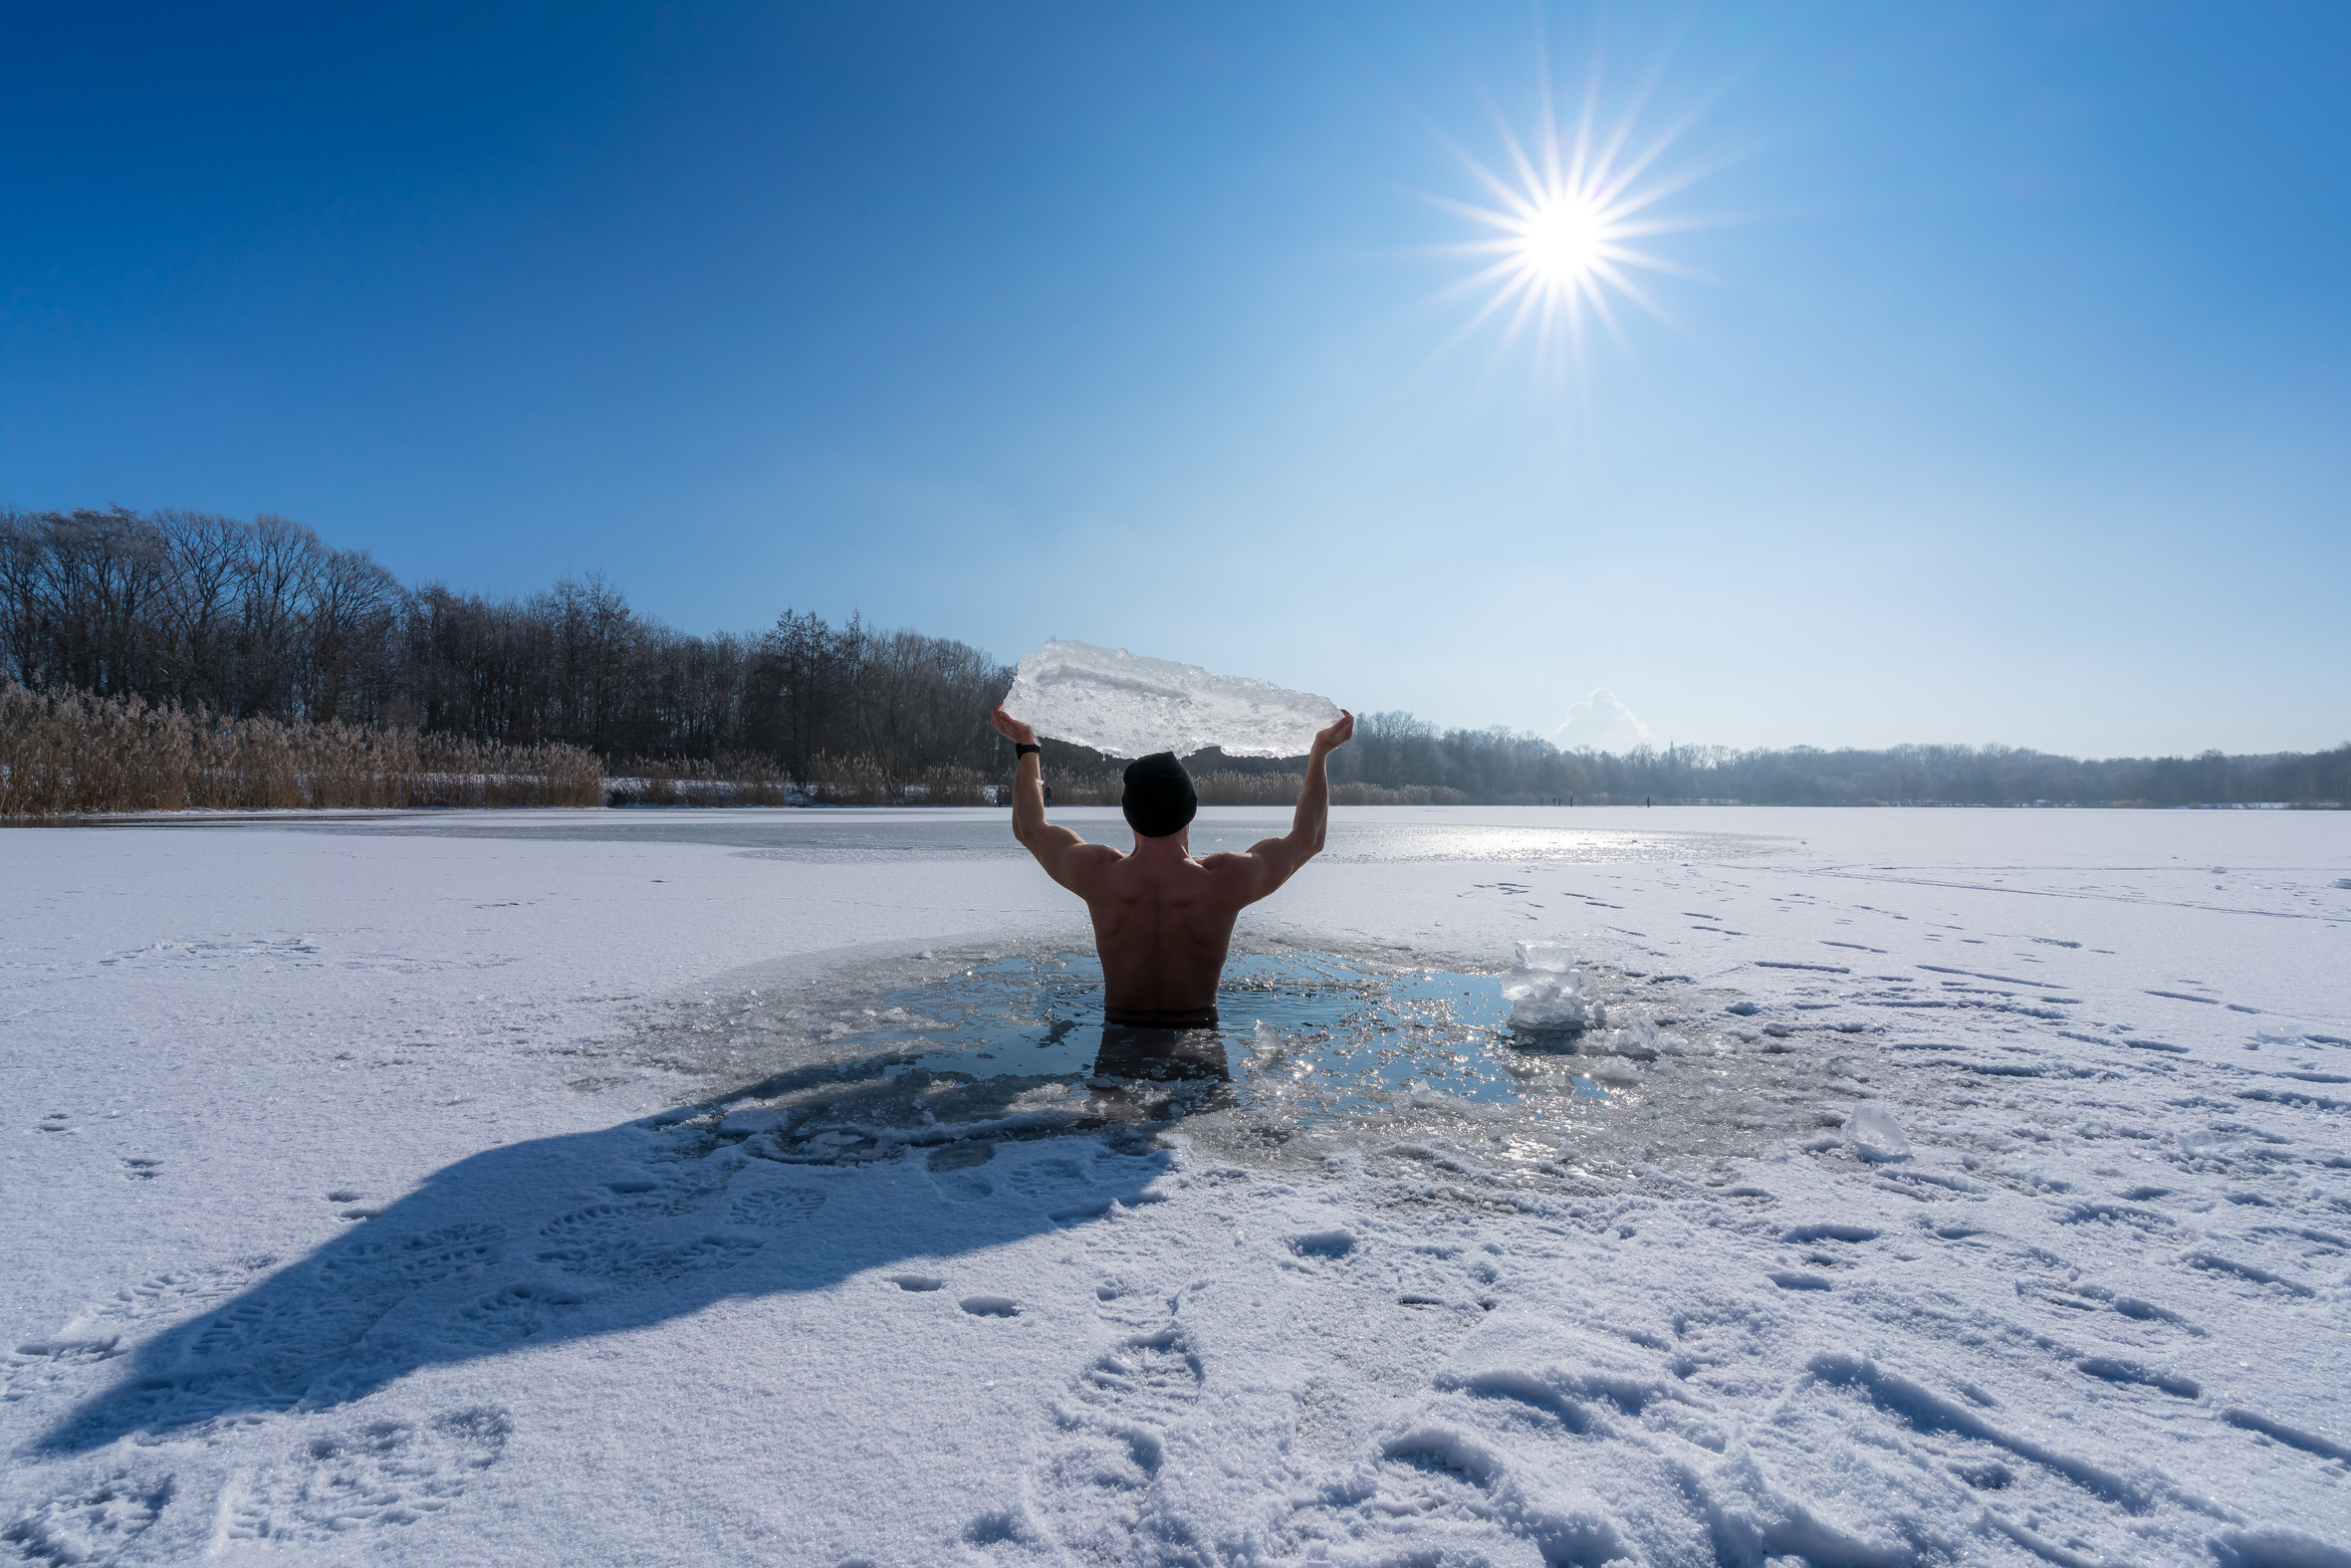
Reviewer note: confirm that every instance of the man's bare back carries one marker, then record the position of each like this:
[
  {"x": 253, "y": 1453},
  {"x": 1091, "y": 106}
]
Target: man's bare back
[{"x": 1163, "y": 919}]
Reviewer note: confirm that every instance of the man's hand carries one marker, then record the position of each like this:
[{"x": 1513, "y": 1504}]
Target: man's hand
[
  {"x": 1326, "y": 740},
  {"x": 1020, "y": 733}
]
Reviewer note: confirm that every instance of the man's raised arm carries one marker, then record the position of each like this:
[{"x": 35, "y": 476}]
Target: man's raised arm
[
  {"x": 1272, "y": 861},
  {"x": 1059, "y": 851}
]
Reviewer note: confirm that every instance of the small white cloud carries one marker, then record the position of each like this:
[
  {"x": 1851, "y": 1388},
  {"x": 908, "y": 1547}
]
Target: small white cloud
[{"x": 1603, "y": 724}]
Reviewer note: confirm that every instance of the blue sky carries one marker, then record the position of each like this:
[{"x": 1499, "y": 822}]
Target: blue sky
[{"x": 2009, "y": 404}]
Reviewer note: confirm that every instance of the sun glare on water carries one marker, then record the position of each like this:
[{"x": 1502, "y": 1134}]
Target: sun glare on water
[{"x": 1566, "y": 229}]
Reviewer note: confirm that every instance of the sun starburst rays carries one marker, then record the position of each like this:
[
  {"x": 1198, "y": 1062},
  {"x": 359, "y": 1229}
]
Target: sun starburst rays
[{"x": 1568, "y": 222}]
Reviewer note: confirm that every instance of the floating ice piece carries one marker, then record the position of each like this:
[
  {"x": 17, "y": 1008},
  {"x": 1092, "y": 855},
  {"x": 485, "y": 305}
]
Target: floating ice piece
[
  {"x": 2280, "y": 1034},
  {"x": 1549, "y": 994},
  {"x": 2343, "y": 881},
  {"x": 1125, "y": 704},
  {"x": 1874, "y": 1135}
]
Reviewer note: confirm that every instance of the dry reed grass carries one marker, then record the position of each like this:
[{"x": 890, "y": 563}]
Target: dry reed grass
[
  {"x": 1084, "y": 789},
  {"x": 1235, "y": 789},
  {"x": 64, "y": 753},
  {"x": 1410, "y": 795},
  {"x": 863, "y": 780},
  {"x": 724, "y": 780}
]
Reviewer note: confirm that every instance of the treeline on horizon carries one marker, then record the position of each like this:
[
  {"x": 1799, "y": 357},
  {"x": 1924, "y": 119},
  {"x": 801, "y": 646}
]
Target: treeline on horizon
[{"x": 261, "y": 619}]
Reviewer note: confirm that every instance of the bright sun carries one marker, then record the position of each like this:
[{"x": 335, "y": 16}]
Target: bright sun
[
  {"x": 1561, "y": 239},
  {"x": 1562, "y": 229}
]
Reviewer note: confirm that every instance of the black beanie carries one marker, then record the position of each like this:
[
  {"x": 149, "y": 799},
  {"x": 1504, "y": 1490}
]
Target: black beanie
[{"x": 1159, "y": 798}]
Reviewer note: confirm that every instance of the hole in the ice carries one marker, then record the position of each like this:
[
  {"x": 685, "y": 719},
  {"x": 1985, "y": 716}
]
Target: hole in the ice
[{"x": 1016, "y": 1048}]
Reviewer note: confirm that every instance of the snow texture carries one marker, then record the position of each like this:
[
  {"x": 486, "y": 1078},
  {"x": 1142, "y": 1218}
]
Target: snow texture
[
  {"x": 530, "y": 1188},
  {"x": 1122, "y": 704}
]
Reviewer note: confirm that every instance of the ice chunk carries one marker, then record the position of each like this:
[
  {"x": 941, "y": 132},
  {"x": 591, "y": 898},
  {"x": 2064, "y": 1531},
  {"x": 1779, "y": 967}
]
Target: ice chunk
[
  {"x": 1638, "y": 1039},
  {"x": 1874, "y": 1135},
  {"x": 1546, "y": 994},
  {"x": 1122, "y": 704}
]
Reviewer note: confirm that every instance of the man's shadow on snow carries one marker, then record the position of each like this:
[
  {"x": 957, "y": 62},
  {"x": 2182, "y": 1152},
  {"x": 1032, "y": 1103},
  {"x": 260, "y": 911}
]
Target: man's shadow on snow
[{"x": 605, "y": 1231}]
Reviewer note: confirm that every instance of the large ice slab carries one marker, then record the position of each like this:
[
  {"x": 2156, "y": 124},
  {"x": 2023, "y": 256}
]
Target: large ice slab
[{"x": 1126, "y": 705}]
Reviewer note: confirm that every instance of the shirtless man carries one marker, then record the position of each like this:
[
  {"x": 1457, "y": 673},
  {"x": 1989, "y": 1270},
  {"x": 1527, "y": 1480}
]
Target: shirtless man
[{"x": 1163, "y": 919}]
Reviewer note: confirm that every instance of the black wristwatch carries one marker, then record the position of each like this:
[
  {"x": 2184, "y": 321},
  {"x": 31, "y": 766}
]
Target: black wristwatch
[{"x": 1023, "y": 748}]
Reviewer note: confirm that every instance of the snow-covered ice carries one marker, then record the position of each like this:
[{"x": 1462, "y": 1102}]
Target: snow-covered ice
[
  {"x": 1126, "y": 705},
  {"x": 694, "y": 1188}
]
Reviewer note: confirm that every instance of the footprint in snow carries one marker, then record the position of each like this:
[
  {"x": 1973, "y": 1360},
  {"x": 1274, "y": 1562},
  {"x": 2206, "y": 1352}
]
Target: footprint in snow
[
  {"x": 40, "y": 1366},
  {"x": 91, "y": 1524},
  {"x": 381, "y": 1474},
  {"x": 593, "y": 1222},
  {"x": 632, "y": 1262},
  {"x": 1123, "y": 1407},
  {"x": 1048, "y": 1177},
  {"x": 775, "y": 1206},
  {"x": 180, "y": 1290}
]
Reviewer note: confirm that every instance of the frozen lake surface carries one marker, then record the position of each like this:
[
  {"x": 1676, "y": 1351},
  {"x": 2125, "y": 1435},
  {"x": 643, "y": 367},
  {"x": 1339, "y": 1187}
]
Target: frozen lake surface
[{"x": 694, "y": 1186}]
